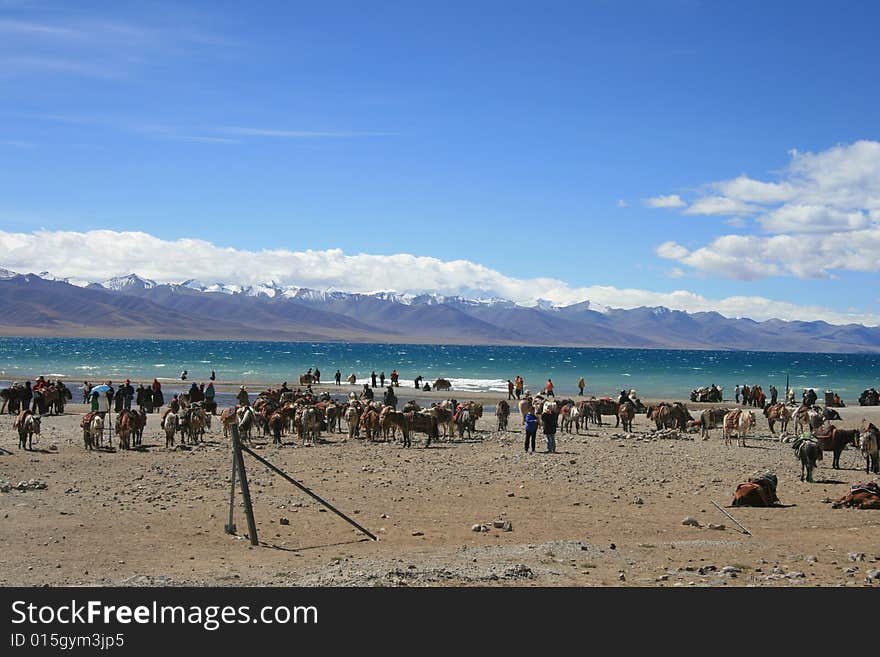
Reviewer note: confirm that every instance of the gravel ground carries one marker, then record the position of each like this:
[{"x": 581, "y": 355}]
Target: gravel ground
[{"x": 606, "y": 510}]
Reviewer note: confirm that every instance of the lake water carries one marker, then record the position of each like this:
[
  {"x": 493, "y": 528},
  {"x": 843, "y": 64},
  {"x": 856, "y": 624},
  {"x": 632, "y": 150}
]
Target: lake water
[{"x": 652, "y": 372}]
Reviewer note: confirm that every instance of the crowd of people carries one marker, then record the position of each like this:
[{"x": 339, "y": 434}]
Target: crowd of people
[{"x": 148, "y": 398}]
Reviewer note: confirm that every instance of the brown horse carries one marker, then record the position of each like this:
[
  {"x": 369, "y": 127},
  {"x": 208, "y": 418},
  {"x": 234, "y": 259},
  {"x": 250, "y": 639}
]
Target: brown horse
[
  {"x": 424, "y": 422},
  {"x": 777, "y": 413},
  {"x": 123, "y": 429},
  {"x": 832, "y": 439},
  {"x": 860, "y": 496},
  {"x": 626, "y": 413}
]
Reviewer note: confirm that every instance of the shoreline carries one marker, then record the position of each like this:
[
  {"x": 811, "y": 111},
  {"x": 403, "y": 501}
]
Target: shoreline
[{"x": 404, "y": 393}]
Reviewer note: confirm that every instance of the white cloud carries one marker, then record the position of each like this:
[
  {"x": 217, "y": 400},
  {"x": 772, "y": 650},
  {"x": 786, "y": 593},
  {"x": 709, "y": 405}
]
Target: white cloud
[
  {"x": 752, "y": 257},
  {"x": 672, "y": 250},
  {"x": 795, "y": 218},
  {"x": 103, "y": 254},
  {"x": 670, "y": 201},
  {"x": 821, "y": 216},
  {"x": 754, "y": 191},
  {"x": 710, "y": 205},
  {"x": 622, "y": 204}
]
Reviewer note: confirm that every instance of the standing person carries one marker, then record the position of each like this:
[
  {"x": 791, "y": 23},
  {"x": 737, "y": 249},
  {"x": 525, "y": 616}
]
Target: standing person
[
  {"x": 509, "y": 389},
  {"x": 213, "y": 375},
  {"x": 774, "y": 394},
  {"x": 127, "y": 394},
  {"x": 242, "y": 397},
  {"x": 395, "y": 378},
  {"x": 183, "y": 375},
  {"x": 317, "y": 375},
  {"x": 209, "y": 397},
  {"x": 382, "y": 379},
  {"x": 338, "y": 377},
  {"x": 373, "y": 378},
  {"x": 581, "y": 385},
  {"x": 28, "y": 396},
  {"x": 549, "y": 388},
  {"x": 531, "y": 424},
  {"x": 390, "y": 398},
  {"x": 139, "y": 397},
  {"x": 86, "y": 389},
  {"x": 119, "y": 399},
  {"x": 550, "y": 421},
  {"x": 736, "y": 393},
  {"x": 520, "y": 383},
  {"x": 418, "y": 381}
]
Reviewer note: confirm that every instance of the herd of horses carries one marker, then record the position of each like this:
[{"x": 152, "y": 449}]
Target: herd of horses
[
  {"x": 305, "y": 416},
  {"x": 49, "y": 400}
]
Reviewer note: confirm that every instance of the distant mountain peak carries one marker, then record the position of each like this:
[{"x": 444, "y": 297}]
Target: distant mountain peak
[{"x": 129, "y": 282}]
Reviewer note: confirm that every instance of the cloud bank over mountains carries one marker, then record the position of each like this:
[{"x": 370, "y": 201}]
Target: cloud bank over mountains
[{"x": 96, "y": 256}]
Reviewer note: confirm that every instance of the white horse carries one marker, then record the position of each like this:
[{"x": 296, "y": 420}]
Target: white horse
[
  {"x": 96, "y": 432},
  {"x": 869, "y": 444},
  {"x": 738, "y": 421},
  {"x": 170, "y": 427}
]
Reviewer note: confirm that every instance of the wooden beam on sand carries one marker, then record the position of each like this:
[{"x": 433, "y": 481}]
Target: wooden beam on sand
[
  {"x": 308, "y": 492},
  {"x": 744, "y": 530}
]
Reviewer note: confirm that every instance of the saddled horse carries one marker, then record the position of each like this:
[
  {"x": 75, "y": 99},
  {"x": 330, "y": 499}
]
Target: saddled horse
[
  {"x": 14, "y": 399},
  {"x": 777, "y": 413},
  {"x": 757, "y": 491},
  {"x": 123, "y": 429},
  {"x": 604, "y": 406},
  {"x": 27, "y": 424},
  {"x": 711, "y": 418},
  {"x": 462, "y": 420},
  {"x": 832, "y": 439},
  {"x": 740, "y": 422},
  {"x": 424, "y": 422},
  {"x": 55, "y": 397},
  {"x": 809, "y": 453},
  {"x": 626, "y": 412}
]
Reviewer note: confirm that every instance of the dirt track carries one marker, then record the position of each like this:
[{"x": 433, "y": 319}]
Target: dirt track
[{"x": 604, "y": 511}]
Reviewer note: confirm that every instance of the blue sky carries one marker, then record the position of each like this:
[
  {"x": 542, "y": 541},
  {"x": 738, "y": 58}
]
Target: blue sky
[{"x": 525, "y": 137}]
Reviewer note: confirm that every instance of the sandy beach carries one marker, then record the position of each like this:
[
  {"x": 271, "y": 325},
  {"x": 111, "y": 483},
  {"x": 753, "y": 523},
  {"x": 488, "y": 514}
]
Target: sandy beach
[{"x": 606, "y": 510}]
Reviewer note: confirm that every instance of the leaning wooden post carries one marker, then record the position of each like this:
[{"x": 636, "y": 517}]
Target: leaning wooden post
[
  {"x": 230, "y": 526},
  {"x": 245, "y": 491}
]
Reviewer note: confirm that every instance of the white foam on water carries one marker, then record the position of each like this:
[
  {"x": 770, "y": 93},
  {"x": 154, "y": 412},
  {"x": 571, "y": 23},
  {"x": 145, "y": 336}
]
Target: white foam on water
[
  {"x": 55, "y": 374},
  {"x": 479, "y": 385}
]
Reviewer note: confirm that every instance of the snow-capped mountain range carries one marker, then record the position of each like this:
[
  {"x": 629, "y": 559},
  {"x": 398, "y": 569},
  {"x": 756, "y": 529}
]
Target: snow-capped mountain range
[{"x": 133, "y": 306}]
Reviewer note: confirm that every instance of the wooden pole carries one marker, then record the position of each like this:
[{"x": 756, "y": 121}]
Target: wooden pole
[
  {"x": 230, "y": 526},
  {"x": 308, "y": 492},
  {"x": 745, "y": 531},
  {"x": 245, "y": 490}
]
